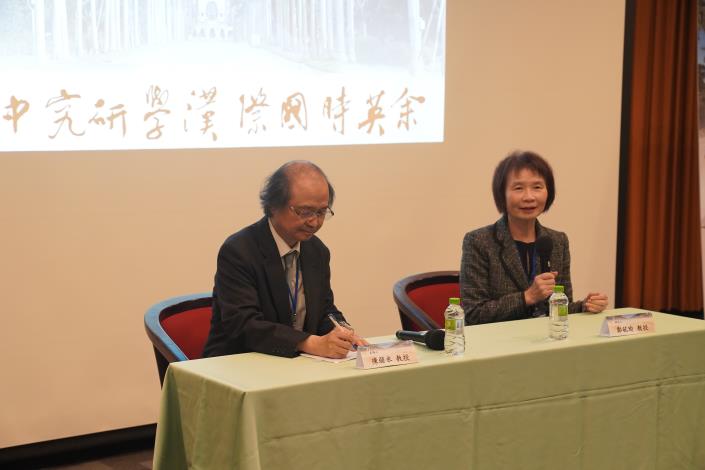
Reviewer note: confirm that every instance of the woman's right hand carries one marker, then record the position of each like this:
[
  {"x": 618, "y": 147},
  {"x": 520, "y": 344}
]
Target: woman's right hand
[{"x": 541, "y": 288}]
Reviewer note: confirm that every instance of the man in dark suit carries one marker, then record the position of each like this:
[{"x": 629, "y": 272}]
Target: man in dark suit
[{"x": 272, "y": 289}]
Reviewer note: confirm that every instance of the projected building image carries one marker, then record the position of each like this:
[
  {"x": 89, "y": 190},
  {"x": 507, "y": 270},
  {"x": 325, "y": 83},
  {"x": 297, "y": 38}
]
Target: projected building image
[{"x": 122, "y": 74}]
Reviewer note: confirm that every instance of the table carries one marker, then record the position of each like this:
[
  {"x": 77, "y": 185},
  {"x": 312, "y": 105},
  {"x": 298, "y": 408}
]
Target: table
[{"x": 516, "y": 400}]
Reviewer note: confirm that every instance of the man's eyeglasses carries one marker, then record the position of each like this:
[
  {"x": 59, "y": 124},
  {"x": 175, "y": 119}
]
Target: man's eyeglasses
[{"x": 308, "y": 213}]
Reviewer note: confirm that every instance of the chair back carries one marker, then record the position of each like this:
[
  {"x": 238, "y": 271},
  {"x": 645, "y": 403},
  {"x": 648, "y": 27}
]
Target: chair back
[
  {"x": 423, "y": 298},
  {"x": 178, "y": 328}
]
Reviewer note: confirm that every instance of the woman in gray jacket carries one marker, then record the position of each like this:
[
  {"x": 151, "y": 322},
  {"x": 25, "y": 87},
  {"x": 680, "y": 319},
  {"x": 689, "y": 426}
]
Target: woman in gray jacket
[{"x": 500, "y": 274}]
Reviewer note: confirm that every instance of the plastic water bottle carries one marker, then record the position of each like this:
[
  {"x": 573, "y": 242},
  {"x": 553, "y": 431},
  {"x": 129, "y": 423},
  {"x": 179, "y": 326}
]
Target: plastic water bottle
[
  {"x": 454, "y": 343},
  {"x": 558, "y": 314}
]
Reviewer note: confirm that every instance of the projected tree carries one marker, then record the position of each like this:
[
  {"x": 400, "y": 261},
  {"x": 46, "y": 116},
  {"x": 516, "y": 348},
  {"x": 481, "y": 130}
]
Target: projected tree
[{"x": 410, "y": 32}]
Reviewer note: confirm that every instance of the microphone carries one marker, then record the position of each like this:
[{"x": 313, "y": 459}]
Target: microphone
[
  {"x": 433, "y": 339},
  {"x": 544, "y": 247}
]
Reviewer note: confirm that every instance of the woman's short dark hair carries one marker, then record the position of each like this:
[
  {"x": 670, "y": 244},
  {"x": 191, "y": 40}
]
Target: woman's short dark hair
[
  {"x": 516, "y": 161},
  {"x": 276, "y": 192}
]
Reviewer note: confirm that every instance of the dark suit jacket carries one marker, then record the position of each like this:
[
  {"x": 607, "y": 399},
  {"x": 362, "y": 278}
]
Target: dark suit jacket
[
  {"x": 251, "y": 309},
  {"x": 493, "y": 281}
]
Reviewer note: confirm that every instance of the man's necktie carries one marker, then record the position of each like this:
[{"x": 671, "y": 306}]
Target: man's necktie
[{"x": 293, "y": 280}]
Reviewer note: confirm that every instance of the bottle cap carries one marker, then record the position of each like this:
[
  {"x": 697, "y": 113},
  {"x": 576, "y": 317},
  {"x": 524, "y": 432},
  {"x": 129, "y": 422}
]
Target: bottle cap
[
  {"x": 454, "y": 300},
  {"x": 558, "y": 289}
]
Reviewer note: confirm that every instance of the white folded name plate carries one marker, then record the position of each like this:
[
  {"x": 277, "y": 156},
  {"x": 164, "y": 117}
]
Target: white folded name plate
[
  {"x": 628, "y": 324},
  {"x": 393, "y": 353}
]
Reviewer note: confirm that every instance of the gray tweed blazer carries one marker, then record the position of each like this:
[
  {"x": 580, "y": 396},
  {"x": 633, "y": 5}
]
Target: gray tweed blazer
[{"x": 493, "y": 281}]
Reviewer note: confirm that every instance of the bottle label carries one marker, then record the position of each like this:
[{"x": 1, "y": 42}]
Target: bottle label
[
  {"x": 562, "y": 310},
  {"x": 453, "y": 324}
]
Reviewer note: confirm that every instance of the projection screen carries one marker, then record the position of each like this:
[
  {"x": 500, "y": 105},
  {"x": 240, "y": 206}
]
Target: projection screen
[{"x": 126, "y": 74}]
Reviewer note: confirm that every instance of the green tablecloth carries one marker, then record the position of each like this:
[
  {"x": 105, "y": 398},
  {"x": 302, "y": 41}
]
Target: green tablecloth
[{"x": 514, "y": 401}]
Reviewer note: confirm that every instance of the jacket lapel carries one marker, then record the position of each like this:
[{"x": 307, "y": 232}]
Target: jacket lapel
[
  {"x": 275, "y": 273},
  {"x": 509, "y": 255}
]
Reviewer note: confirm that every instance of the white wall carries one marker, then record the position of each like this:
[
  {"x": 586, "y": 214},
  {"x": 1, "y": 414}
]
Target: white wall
[{"x": 90, "y": 240}]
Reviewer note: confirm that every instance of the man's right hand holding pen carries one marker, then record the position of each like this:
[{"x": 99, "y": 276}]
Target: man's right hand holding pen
[{"x": 336, "y": 344}]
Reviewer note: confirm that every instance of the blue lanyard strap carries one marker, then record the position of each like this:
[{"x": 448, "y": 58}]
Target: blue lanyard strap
[
  {"x": 532, "y": 265},
  {"x": 528, "y": 259}
]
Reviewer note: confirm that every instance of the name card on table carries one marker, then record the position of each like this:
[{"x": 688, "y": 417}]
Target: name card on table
[
  {"x": 393, "y": 353},
  {"x": 628, "y": 324}
]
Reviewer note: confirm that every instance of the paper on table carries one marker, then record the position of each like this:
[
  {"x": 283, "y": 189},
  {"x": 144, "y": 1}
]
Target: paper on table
[{"x": 351, "y": 355}]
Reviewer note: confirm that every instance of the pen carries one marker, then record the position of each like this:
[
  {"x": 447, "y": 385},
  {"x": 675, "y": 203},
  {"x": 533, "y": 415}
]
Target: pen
[{"x": 342, "y": 324}]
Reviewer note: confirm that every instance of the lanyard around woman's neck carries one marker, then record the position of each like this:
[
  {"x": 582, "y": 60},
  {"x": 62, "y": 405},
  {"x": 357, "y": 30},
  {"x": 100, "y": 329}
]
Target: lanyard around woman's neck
[{"x": 528, "y": 253}]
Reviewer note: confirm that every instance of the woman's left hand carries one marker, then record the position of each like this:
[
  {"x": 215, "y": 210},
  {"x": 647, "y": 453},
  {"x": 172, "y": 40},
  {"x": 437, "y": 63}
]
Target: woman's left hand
[{"x": 595, "y": 302}]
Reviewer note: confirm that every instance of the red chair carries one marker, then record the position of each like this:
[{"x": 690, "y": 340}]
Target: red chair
[
  {"x": 422, "y": 299},
  {"x": 178, "y": 328}
]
